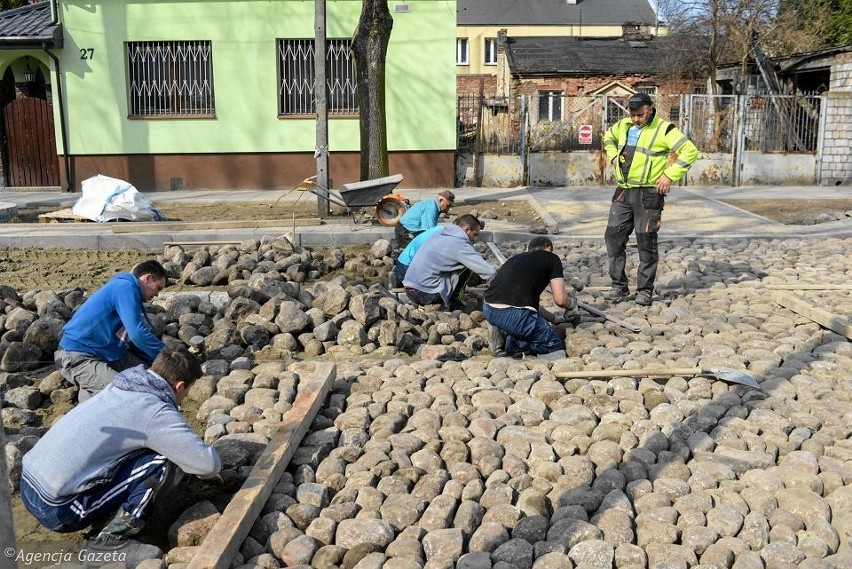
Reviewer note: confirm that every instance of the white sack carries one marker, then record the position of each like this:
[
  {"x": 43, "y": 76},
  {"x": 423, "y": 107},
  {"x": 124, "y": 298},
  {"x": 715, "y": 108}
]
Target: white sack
[{"x": 110, "y": 199}]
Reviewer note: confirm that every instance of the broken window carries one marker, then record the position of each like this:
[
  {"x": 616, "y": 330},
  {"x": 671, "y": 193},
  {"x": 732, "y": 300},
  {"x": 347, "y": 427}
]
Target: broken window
[{"x": 549, "y": 106}]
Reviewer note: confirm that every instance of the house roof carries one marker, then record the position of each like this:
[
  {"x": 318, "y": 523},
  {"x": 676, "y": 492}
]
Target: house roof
[
  {"x": 30, "y": 27},
  {"x": 553, "y": 12},
  {"x": 585, "y": 56},
  {"x": 801, "y": 61}
]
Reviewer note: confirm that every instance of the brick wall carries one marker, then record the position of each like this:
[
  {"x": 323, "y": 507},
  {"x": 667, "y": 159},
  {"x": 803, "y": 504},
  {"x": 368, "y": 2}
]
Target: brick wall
[
  {"x": 476, "y": 85},
  {"x": 487, "y": 84},
  {"x": 836, "y": 159}
]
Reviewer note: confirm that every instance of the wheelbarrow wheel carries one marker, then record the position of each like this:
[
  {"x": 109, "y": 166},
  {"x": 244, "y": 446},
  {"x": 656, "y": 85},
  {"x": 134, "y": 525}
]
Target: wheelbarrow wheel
[{"x": 389, "y": 210}]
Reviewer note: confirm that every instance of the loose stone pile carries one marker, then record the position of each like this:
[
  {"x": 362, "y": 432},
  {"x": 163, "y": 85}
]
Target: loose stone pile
[{"x": 441, "y": 461}]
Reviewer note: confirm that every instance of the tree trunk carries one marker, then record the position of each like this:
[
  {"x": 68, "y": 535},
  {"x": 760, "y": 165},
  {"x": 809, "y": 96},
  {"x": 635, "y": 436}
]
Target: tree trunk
[{"x": 370, "y": 45}]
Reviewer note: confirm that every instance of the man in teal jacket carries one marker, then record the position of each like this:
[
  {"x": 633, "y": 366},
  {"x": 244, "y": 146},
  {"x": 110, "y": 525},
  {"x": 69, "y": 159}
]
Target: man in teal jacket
[
  {"x": 422, "y": 216},
  {"x": 110, "y": 332},
  {"x": 640, "y": 146}
]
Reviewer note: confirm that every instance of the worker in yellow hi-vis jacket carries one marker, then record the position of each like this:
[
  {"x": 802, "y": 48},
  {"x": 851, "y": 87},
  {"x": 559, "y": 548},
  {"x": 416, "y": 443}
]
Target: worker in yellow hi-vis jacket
[{"x": 639, "y": 147}]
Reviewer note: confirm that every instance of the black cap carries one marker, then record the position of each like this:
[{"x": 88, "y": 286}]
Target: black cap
[{"x": 638, "y": 100}]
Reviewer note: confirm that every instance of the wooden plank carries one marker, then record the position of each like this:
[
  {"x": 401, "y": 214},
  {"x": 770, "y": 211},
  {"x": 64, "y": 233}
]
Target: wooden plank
[
  {"x": 223, "y": 542},
  {"x": 641, "y": 372},
  {"x": 822, "y": 317},
  {"x": 794, "y": 286},
  {"x": 60, "y": 216},
  {"x": 7, "y": 528},
  {"x": 181, "y": 243},
  {"x": 137, "y": 226}
]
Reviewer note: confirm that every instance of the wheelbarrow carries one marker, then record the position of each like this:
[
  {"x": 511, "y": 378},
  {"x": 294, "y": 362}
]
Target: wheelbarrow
[{"x": 361, "y": 199}]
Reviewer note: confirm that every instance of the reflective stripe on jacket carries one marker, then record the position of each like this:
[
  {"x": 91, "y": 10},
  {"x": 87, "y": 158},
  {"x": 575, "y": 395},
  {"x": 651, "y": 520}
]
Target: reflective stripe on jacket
[{"x": 656, "y": 140}]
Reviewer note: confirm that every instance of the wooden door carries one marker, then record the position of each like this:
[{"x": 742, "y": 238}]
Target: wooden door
[{"x": 32, "y": 144}]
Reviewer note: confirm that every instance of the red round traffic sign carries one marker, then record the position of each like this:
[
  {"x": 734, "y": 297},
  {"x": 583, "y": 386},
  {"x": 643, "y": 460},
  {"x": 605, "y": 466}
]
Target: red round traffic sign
[{"x": 585, "y": 134}]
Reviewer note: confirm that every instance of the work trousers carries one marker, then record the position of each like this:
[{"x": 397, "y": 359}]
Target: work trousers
[
  {"x": 89, "y": 373},
  {"x": 526, "y": 331},
  {"x": 404, "y": 236},
  {"x": 133, "y": 488},
  {"x": 399, "y": 271},
  {"x": 640, "y": 209},
  {"x": 462, "y": 280}
]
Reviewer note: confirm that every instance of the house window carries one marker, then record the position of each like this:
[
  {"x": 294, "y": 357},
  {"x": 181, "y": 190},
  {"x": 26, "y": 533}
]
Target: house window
[
  {"x": 549, "y": 106},
  {"x": 647, "y": 89},
  {"x": 296, "y": 77},
  {"x": 170, "y": 78},
  {"x": 490, "y": 51},
  {"x": 461, "y": 51}
]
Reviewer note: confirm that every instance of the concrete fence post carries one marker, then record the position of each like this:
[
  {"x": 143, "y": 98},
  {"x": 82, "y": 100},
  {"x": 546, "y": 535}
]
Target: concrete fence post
[{"x": 7, "y": 524}]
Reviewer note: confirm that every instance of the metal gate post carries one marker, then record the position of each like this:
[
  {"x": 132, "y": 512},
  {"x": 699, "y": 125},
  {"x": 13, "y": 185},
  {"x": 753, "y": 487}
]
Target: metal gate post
[
  {"x": 686, "y": 128},
  {"x": 522, "y": 143},
  {"x": 739, "y": 147}
]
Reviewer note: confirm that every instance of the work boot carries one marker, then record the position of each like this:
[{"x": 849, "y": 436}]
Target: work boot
[
  {"x": 122, "y": 523},
  {"x": 107, "y": 549},
  {"x": 113, "y": 543},
  {"x": 496, "y": 340},
  {"x": 616, "y": 295},
  {"x": 643, "y": 298}
]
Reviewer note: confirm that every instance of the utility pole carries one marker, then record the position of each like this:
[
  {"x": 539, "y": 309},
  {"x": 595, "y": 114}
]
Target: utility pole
[{"x": 320, "y": 100}]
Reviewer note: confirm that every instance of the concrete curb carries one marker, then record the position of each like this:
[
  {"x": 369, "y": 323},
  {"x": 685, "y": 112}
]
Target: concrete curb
[{"x": 101, "y": 236}]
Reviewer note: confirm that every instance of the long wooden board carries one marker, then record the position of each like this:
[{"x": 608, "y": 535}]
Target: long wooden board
[
  {"x": 62, "y": 216},
  {"x": 822, "y": 317},
  {"x": 223, "y": 542},
  {"x": 794, "y": 286},
  {"x": 66, "y": 216},
  {"x": 139, "y": 226}
]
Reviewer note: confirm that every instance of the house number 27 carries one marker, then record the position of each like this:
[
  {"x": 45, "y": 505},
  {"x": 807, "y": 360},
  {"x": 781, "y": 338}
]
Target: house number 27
[{"x": 87, "y": 52}]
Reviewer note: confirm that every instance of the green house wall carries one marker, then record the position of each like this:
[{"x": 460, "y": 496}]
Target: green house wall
[
  {"x": 420, "y": 80},
  {"x": 246, "y": 144}
]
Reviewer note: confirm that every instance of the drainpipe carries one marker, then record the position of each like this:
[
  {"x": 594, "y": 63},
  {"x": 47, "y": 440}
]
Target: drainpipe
[{"x": 69, "y": 176}]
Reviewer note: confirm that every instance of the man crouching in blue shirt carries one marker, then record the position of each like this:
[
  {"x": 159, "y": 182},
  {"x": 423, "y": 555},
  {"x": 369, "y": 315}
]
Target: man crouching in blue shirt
[
  {"x": 116, "y": 453},
  {"x": 110, "y": 332}
]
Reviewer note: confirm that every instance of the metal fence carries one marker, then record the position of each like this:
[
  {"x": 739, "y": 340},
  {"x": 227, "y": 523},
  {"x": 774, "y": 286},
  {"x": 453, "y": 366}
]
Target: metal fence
[{"x": 716, "y": 123}]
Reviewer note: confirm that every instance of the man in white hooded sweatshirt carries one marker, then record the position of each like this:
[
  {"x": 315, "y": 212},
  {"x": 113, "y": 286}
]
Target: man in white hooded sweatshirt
[
  {"x": 445, "y": 264},
  {"x": 110, "y": 457}
]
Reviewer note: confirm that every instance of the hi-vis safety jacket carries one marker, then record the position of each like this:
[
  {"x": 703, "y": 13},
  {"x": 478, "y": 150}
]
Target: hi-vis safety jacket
[{"x": 650, "y": 161}]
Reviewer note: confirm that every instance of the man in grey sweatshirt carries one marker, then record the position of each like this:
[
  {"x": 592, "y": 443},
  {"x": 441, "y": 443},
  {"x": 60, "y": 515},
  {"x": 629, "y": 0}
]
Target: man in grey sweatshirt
[
  {"x": 113, "y": 454},
  {"x": 445, "y": 264}
]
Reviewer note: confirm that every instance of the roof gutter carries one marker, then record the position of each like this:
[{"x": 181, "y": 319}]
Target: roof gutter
[{"x": 31, "y": 42}]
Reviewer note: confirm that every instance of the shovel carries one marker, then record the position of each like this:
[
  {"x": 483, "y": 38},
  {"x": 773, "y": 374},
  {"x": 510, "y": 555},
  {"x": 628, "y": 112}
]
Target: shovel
[{"x": 724, "y": 373}]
